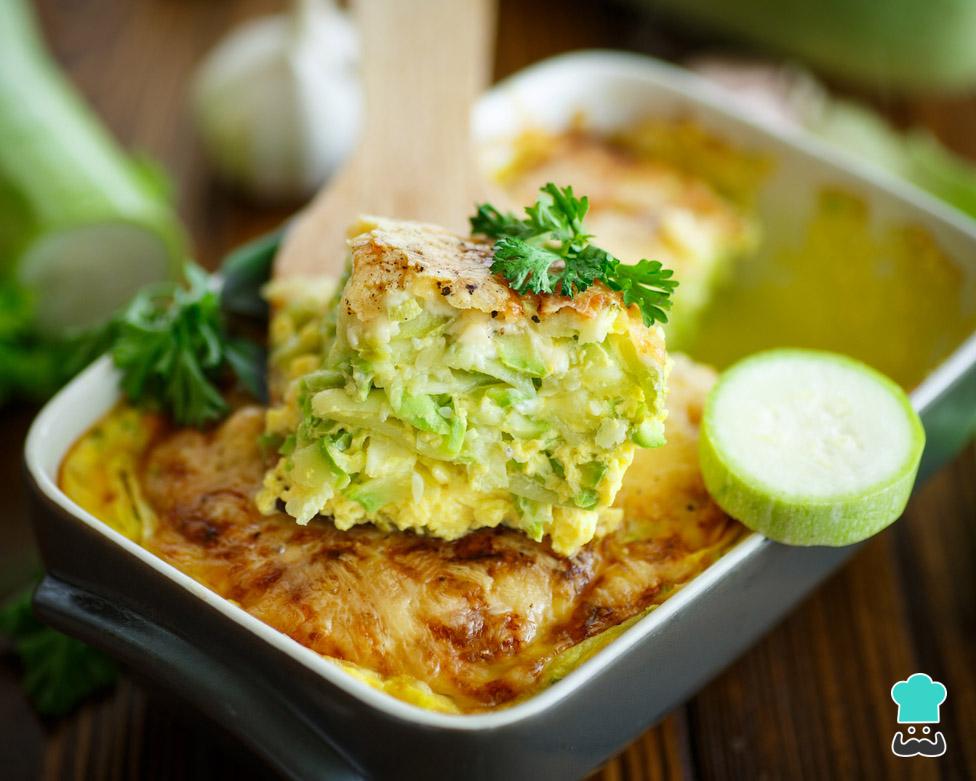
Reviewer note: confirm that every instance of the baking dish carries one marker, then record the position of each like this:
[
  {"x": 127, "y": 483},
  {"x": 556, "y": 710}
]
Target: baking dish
[{"x": 308, "y": 718}]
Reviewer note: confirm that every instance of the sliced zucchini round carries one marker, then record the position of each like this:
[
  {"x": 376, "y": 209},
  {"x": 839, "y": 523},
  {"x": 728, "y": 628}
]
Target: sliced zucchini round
[{"x": 810, "y": 448}]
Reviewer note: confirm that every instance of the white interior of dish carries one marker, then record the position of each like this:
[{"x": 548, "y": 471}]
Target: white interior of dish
[{"x": 611, "y": 89}]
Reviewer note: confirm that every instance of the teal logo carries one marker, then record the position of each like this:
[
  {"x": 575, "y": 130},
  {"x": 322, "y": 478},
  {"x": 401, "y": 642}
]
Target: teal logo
[{"x": 919, "y": 699}]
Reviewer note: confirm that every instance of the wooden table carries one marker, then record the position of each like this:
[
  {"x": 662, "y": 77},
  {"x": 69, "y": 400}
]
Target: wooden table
[{"x": 810, "y": 701}]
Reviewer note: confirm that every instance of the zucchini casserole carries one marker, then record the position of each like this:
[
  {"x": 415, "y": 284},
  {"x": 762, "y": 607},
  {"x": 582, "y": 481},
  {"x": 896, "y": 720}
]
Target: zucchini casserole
[
  {"x": 457, "y": 626},
  {"x": 488, "y": 617},
  {"x": 425, "y": 394},
  {"x": 458, "y": 493}
]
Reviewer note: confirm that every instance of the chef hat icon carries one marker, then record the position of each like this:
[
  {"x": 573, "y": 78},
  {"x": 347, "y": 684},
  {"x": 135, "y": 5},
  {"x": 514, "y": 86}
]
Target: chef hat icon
[{"x": 918, "y": 699}]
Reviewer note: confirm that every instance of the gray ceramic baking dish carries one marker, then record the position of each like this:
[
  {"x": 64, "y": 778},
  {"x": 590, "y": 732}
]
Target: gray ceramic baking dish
[{"x": 309, "y": 719}]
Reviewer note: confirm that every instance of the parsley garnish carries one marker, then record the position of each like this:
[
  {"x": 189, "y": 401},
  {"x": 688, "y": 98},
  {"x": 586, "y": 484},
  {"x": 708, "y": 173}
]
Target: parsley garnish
[
  {"x": 171, "y": 346},
  {"x": 549, "y": 251},
  {"x": 59, "y": 671}
]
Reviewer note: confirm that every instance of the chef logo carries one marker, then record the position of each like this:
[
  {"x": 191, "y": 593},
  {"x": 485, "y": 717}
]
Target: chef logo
[{"x": 918, "y": 698}]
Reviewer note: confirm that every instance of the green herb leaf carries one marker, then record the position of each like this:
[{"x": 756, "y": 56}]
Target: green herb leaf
[
  {"x": 561, "y": 214},
  {"x": 59, "y": 671},
  {"x": 524, "y": 265},
  {"x": 171, "y": 347},
  {"x": 590, "y": 265},
  {"x": 32, "y": 366},
  {"x": 488, "y": 221},
  {"x": 647, "y": 284},
  {"x": 168, "y": 344},
  {"x": 16, "y": 310},
  {"x": 550, "y": 251}
]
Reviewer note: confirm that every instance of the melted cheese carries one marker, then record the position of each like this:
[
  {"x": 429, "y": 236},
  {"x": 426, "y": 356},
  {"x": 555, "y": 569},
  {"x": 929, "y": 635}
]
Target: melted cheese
[{"x": 459, "y": 626}]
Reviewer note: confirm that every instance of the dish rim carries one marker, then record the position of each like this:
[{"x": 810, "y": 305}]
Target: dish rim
[{"x": 95, "y": 380}]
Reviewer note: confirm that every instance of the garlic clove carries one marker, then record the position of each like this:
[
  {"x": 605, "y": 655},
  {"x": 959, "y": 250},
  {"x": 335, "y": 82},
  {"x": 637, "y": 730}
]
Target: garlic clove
[{"x": 278, "y": 102}]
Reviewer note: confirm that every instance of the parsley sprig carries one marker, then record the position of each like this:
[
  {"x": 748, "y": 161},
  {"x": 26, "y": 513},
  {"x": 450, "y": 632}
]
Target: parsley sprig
[
  {"x": 549, "y": 251},
  {"x": 58, "y": 671},
  {"x": 171, "y": 346}
]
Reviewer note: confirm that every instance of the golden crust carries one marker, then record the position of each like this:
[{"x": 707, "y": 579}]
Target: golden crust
[
  {"x": 397, "y": 254},
  {"x": 476, "y": 619}
]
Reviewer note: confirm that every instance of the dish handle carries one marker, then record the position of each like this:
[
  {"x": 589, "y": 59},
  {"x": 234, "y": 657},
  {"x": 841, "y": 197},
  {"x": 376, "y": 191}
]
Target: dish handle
[{"x": 213, "y": 688}]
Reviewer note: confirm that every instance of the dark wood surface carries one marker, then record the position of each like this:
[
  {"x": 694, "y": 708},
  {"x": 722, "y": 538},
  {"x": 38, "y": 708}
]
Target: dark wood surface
[{"x": 809, "y": 701}]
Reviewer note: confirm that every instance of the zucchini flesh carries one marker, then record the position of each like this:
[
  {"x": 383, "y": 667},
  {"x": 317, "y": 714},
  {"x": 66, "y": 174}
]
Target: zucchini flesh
[{"x": 810, "y": 448}]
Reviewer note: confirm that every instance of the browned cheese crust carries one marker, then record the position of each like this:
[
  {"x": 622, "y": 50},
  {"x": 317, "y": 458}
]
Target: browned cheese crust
[
  {"x": 395, "y": 254},
  {"x": 477, "y": 619}
]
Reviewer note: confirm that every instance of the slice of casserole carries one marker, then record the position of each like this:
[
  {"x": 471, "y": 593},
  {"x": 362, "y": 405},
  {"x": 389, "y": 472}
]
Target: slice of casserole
[{"x": 427, "y": 395}]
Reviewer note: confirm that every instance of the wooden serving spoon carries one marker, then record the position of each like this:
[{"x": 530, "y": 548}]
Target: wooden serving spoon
[{"x": 424, "y": 63}]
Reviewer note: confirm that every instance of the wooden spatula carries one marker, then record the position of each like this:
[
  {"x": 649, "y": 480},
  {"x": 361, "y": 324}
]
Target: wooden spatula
[{"x": 424, "y": 63}]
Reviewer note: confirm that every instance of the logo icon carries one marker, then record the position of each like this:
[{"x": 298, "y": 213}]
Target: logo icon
[{"x": 918, "y": 698}]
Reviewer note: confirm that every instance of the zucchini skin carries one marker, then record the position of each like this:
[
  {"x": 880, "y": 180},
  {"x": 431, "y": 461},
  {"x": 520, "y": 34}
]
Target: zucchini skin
[{"x": 59, "y": 167}]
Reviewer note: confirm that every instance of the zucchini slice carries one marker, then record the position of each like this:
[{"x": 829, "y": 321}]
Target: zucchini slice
[{"x": 810, "y": 448}]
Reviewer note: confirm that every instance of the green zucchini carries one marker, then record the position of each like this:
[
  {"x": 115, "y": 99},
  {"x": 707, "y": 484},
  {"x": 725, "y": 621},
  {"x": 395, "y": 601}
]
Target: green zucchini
[{"x": 82, "y": 226}]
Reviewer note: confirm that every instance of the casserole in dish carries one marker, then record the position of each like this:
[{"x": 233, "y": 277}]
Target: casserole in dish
[{"x": 312, "y": 720}]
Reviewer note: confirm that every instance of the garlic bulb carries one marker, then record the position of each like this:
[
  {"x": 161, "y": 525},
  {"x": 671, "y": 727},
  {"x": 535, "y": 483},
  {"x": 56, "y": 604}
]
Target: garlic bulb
[{"x": 278, "y": 102}]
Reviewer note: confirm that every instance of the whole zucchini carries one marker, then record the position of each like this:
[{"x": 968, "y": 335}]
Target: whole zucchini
[{"x": 82, "y": 226}]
